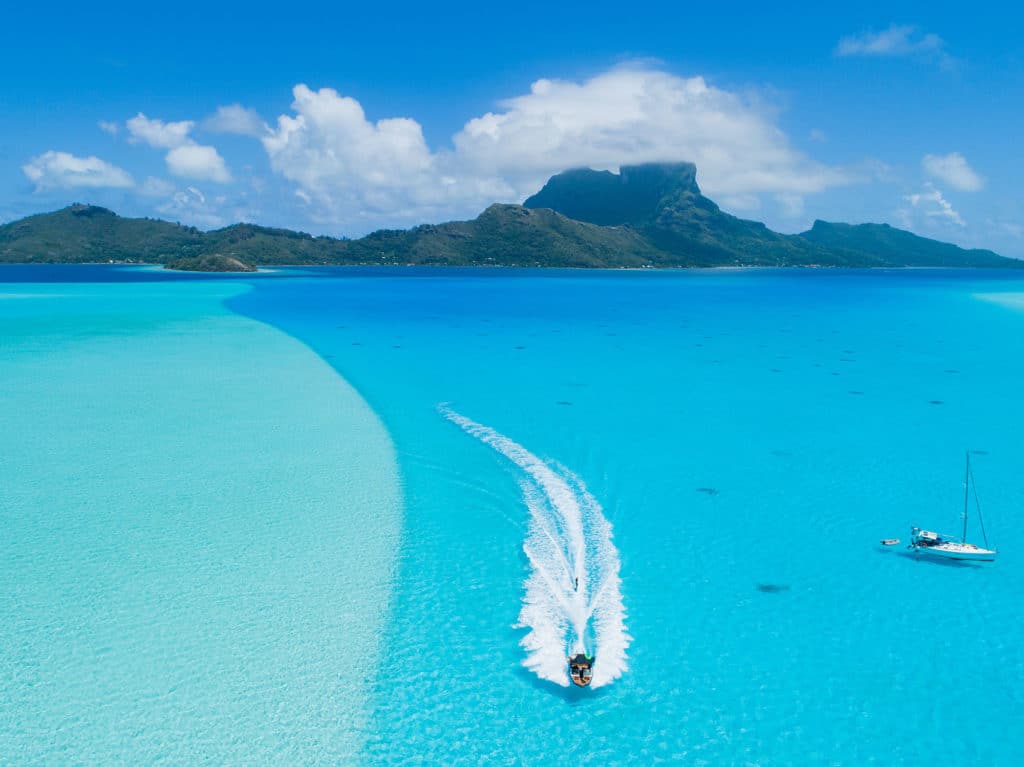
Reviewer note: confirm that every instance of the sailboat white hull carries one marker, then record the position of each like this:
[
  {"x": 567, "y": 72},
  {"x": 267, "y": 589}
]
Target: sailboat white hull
[{"x": 967, "y": 552}]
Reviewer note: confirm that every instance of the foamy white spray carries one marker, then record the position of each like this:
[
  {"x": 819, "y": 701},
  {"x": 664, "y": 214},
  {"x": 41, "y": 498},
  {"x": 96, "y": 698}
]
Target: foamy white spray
[{"x": 573, "y": 600}]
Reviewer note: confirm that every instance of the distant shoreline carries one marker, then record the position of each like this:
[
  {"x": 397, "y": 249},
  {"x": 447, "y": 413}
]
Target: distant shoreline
[{"x": 160, "y": 267}]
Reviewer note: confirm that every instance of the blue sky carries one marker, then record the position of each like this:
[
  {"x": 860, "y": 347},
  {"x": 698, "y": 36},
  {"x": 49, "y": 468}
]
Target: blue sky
[{"x": 340, "y": 120}]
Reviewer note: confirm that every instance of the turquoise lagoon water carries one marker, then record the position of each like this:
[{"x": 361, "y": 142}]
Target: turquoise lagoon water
[{"x": 218, "y": 549}]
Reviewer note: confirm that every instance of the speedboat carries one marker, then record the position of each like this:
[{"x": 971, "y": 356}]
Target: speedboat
[{"x": 581, "y": 669}]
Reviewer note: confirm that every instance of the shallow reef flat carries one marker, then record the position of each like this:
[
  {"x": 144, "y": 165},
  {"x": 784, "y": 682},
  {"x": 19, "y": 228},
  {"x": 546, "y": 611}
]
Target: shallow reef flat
[{"x": 200, "y": 521}]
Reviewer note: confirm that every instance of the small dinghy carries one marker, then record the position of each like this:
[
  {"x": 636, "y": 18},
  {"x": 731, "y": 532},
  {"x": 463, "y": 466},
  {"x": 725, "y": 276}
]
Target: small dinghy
[
  {"x": 890, "y": 541},
  {"x": 581, "y": 669}
]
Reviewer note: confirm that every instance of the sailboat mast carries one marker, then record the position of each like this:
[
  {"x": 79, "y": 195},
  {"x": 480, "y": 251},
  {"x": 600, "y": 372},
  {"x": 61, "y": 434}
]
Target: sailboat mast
[{"x": 967, "y": 487}]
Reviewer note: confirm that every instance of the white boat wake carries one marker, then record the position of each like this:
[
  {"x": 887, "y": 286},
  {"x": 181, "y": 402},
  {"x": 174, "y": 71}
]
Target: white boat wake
[{"x": 572, "y": 601}]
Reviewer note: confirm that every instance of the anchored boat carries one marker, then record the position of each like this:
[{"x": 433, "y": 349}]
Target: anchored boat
[{"x": 947, "y": 546}]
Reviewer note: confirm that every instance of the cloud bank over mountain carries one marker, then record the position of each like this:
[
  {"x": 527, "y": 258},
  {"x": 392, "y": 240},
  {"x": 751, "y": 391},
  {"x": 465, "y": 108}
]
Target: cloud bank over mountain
[{"x": 341, "y": 161}]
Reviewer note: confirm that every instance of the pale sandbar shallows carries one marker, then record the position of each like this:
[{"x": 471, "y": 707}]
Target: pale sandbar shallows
[{"x": 200, "y": 524}]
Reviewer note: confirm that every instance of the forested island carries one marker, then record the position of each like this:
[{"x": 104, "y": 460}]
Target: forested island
[{"x": 651, "y": 215}]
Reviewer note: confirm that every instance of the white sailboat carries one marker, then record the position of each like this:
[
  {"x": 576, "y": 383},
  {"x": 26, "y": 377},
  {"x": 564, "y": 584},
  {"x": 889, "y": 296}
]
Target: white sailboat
[{"x": 947, "y": 546}]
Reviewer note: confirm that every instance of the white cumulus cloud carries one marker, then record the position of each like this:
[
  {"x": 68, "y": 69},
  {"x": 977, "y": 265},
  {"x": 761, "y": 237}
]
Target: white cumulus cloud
[
  {"x": 234, "y": 118},
  {"x": 350, "y": 165},
  {"x": 185, "y": 158},
  {"x": 198, "y": 162},
  {"x": 633, "y": 114},
  {"x": 954, "y": 170},
  {"x": 61, "y": 170},
  {"x": 360, "y": 172},
  {"x": 157, "y": 133},
  {"x": 934, "y": 205}
]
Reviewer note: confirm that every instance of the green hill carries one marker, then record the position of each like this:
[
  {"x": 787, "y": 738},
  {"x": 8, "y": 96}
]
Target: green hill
[
  {"x": 897, "y": 245},
  {"x": 645, "y": 215},
  {"x": 214, "y": 262},
  {"x": 508, "y": 235},
  {"x": 89, "y": 234}
]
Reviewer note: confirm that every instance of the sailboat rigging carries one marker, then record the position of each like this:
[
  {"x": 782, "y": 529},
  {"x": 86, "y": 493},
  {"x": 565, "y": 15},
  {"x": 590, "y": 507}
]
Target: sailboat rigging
[{"x": 947, "y": 546}]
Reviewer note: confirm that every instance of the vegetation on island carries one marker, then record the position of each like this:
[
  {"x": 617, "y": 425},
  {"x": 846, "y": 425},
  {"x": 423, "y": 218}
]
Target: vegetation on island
[
  {"x": 651, "y": 215},
  {"x": 214, "y": 262}
]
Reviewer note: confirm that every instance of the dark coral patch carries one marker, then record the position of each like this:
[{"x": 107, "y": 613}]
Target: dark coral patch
[{"x": 772, "y": 588}]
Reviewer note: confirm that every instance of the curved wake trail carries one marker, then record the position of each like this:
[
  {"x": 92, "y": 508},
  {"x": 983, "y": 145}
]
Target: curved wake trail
[{"x": 568, "y": 542}]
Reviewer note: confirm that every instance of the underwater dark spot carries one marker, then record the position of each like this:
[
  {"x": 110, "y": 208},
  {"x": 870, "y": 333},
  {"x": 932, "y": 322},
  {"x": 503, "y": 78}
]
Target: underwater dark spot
[
  {"x": 563, "y": 402},
  {"x": 698, "y": 344},
  {"x": 855, "y": 391},
  {"x": 846, "y": 359},
  {"x": 611, "y": 334},
  {"x": 340, "y": 327},
  {"x": 707, "y": 490},
  {"x": 951, "y": 370},
  {"x": 396, "y": 346},
  {"x": 780, "y": 453},
  {"x": 818, "y": 365},
  {"x": 935, "y": 402},
  {"x": 776, "y": 370},
  {"x": 772, "y": 588},
  {"x": 520, "y": 347},
  {"x": 835, "y": 374},
  {"x": 979, "y": 452},
  {"x": 356, "y": 343}
]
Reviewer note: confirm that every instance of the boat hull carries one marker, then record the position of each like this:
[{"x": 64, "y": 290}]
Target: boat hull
[{"x": 961, "y": 553}]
